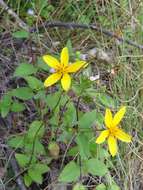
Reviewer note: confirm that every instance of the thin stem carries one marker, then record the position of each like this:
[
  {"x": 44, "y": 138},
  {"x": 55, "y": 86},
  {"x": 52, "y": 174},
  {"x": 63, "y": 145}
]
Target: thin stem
[
  {"x": 77, "y": 108},
  {"x": 33, "y": 145},
  {"x": 77, "y": 119},
  {"x": 57, "y": 103}
]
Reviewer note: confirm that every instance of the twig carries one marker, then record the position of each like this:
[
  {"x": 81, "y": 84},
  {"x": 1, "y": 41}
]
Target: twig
[
  {"x": 16, "y": 170},
  {"x": 13, "y": 162},
  {"x": 14, "y": 15},
  {"x": 68, "y": 25},
  {"x": 67, "y": 148},
  {"x": 71, "y": 25}
]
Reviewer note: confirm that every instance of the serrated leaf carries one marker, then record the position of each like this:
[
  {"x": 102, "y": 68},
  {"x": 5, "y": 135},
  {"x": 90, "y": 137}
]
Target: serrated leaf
[
  {"x": 96, "y": 167},
  {"x": 17, "y": 107},
  {"x": 36, "y": 128},
  {"x": 52, "y": 99},
  {"x": 6, "y": 100},
  {"x": 27, "y": 180},
  {"x": 83, "y": 146},
  {"x": 23, "y": 93},
  {"x": 93, "y": 147},
  {"x": 35, "y": 175},
  {"x": 5, "y": 104},
  {"x": 41, "y": 168},
  {"x": 24, "y": 69},
  {"x": 38, "y": 147},
  {"x": 16, "y": 142},
  {"x": 20, "y": 34},
  {"x": 70, "y": 173},
  {"x": 34, "y": 83},
  {"x": 22, "y": 159},
  {"x": 70, "y": 115},
  {"x": 4, "y": 111},
  {"x": 87, "y": 120}
]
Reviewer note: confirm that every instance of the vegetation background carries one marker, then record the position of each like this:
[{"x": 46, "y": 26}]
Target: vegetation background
[{"x": 117, "y": 66}]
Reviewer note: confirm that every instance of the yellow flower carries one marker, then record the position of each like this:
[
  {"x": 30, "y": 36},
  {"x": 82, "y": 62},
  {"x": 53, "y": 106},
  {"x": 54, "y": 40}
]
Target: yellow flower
[
  {"x": 113, "y": 132},
  {"x": 62, "y": 69}
]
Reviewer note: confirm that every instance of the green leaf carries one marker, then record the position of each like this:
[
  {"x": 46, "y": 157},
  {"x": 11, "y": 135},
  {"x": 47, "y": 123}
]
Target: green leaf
[
  {"x": 16, "y": 142},
  {"x": 93, "y": 148},
  {"x": 96, "y": 167},
  {"x": 102, "y": 152},
  {"x": 107, "y": 101},
  {"x": 27, "y": 180},
  {"x": 20, "y": 34},
  {"x": 5, "y": 104},
  {"x": 101, "y": 187},
  {"x": 23, "y": 93},
  {"x": 73, "y": 151},
  {"x": 40, "y": 95},
  {"x": 70, "y": 173},
  {"x": 17, "y": 107},
  {"x": 41, "y": 168},
  {"x": 25, "y": 69},
  {"x": 69, "y": 46},
  {"x": 113, "y": 187},
  {"x": 34, "y": 83},
  {"x": 6, "y": 100},
  {"x": 4, "y": 111},
  {"x": 42, "y": 65},
  {"x": 52, "y": 99},
  {"x": 79, "y": 186},
  {"x": 38, "y": 147},
  {"x": 70, "y": 115},
  {"x": 83, "y": 146},
  {"x": 22, "y": 159},
  {"x": 88, "y": 119},
  {"x": 99, "y": 120},
  {"x": 35, "y": 175},
  {"x": 36, "y": 129},
  {"x": 84, "y": 19}
]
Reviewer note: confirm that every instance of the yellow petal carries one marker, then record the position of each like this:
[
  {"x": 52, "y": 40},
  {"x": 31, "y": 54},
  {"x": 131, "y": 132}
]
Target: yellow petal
[
  {"x": 103, "y": 135},
  {"x": 65, "y": 56},
  {"x": 75, "y": 66},
  {"x": 51, "y": 61},
  {"x": 66, "y": 82},
  {"x": 52, "y": 79},
  {"x": 108, "y": 118},
  {"x": 119, "y": 115},
  {"x": 112, "y": 144},
  {"x": 121, "y": 135}
]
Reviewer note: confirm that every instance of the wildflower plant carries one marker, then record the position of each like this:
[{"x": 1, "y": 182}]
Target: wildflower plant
[
  {"x": 61, "y": 117},
  {"x": 62, "y": 69},
  {"x": 113, "y": 132}
]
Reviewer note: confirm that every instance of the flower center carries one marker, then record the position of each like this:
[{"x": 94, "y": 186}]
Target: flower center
[
  {"x": 113, "y": 131},
  {"x": 62, "y": 69}
]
